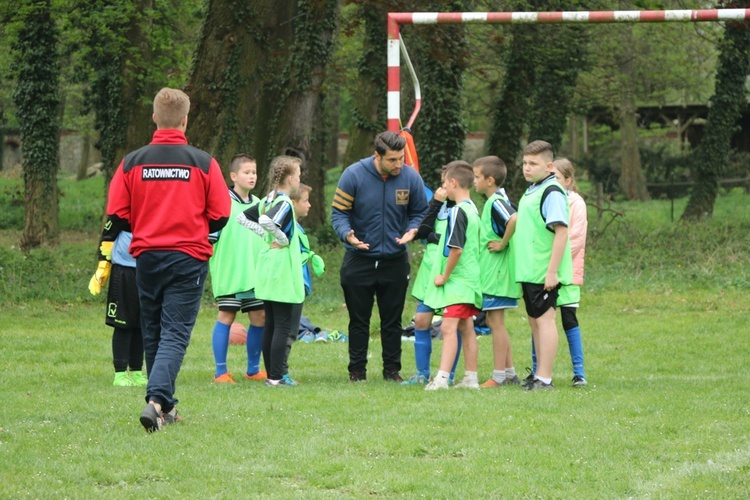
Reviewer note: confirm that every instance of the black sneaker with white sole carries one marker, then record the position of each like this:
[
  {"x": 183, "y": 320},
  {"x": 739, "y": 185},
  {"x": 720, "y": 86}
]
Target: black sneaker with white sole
[
  {"x": 579, "y": 381},
  {"x": 537, "y": 385},
  {"x": 529, "y": 378}
]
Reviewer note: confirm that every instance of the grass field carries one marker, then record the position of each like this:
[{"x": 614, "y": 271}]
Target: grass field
[{"x": 665, "y": 415}]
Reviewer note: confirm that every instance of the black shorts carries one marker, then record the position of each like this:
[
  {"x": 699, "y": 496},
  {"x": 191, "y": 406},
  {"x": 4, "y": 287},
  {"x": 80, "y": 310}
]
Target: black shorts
[
  {"x": 538, "y": 300},
  {"x": 123, "y": 308},
  {"x": 230, "y": 303}
]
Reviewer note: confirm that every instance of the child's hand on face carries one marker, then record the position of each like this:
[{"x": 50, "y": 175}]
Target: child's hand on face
[{"x": 440, "y": 194}]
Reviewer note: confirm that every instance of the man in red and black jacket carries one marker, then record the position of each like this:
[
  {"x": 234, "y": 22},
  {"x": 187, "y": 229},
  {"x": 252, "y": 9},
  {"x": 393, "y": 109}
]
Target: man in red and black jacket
[{"x": 170, "y": 196}]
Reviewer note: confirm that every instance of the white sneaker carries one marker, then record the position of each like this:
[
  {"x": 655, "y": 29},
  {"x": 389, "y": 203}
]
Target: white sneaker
[
  {"x": 467, "y": 384},
  {"x": 436, "y": 384}
]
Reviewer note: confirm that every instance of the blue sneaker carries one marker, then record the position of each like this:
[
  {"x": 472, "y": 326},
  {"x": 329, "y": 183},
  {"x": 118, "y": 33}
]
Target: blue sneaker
[
  {"x": 287, "y": 380},
  {"x": 337, "y": 336},
  {"x": 417, "y": 380},
  {"x": 307, "y": 337}
]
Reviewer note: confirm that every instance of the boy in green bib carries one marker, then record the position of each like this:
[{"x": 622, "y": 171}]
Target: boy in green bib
[
  {"x": 232, "y": 269},
  {"x": 430, "y": 229},
  {"x": 312, "y": 263},
  {"x": 541, "y": 237},
  {"x": 499, "y": 288},
  {"x": 457, "y": 287}
]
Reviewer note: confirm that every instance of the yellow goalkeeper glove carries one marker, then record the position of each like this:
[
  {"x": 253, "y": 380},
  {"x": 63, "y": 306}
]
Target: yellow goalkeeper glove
[
  {"x": 106, "y": 249},
  {"x": 100, "y": 277}
]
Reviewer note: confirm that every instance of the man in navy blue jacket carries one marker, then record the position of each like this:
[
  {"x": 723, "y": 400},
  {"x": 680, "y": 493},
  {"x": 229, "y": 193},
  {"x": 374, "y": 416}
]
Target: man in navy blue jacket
[{"x": 378, "y": 205}]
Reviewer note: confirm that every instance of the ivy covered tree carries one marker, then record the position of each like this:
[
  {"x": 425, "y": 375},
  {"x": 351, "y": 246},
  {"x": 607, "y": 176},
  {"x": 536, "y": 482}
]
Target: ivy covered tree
[
  {"x": 256, "y": 86},
  {"x": 511, "y": 106},
  {"x": 542, "y": 64},
  {"x": 726, "y": 104},
  {"x": 35, "y": 64},
  {"x": 369, "y": 104},
  {"x": 440, "y": 56}
]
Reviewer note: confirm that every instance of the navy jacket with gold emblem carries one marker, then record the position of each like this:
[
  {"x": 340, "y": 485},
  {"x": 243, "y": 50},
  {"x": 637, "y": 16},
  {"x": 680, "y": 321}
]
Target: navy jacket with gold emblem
[{"x": 378, "y": 210}]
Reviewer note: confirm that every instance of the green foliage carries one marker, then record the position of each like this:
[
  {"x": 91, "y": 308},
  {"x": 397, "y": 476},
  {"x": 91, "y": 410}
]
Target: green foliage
[
  {"x": 124, "y": 52},
  {"x": 440, "y": 57},
  {"x": 726, "y": 103},
  {"x": 643, "y": 249},
  {"x": 511, "y": 105}
]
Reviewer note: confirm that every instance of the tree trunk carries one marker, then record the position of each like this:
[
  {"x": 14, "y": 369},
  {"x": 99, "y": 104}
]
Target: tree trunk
[
  {"x": 137, "y": 92},
  {"x": 265, "y": 95},
  {"x": 237, "y": 80},
  {"x": 37, "y": 100},
  {"x": 369, "y": 102},
  {"x": 560, "y": 56},
  {"x": 302, "y": 126},
  {"x": 511, "y": 107},
  {"x": 440, "y": 57},
  {"x": 713, "y": 151},
  {"x": 85, "y": 153},
  {"x": 632, "y": 180}
]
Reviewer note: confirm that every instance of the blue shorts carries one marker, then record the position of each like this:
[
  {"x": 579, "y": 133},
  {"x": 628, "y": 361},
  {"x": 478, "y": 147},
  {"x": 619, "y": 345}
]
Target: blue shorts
[
  {"x": 493, "y": 302},
  {"x": 423, "y": 308}
]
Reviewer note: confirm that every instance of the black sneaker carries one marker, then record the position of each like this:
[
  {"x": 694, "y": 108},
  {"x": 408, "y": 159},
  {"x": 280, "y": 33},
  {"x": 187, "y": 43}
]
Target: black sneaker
[
  {"x": 538, "y": 385},
  {"x": 151, "y": 419},
  {"x": 392, "y": 376},
  {"x": 513, "y": 381},
  {"x": 356, "y": 376},
  {"x": 579, "y": 381},
  {"x": 529, "y": 378}
]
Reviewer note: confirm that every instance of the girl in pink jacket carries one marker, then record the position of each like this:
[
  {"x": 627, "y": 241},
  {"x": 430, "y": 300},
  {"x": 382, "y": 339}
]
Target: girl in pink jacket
[{"x": 570, "y": 295}]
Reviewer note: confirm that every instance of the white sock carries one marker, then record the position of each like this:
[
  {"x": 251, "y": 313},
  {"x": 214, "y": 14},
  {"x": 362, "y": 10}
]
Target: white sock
[
  {"x": 498, "y": 376},
  {"x": 510, "y": 372},
  {"x": 545, "y": 380},
  {"x": 470, "y": 376},
  {"x": 441, "y": 375}
]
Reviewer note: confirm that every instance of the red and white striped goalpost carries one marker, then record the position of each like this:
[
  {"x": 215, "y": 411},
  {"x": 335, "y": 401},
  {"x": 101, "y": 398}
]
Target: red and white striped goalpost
[{"x": 396, "y": 45}]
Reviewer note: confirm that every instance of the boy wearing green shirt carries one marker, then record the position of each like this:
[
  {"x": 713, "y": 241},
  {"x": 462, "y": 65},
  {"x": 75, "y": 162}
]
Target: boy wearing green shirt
[
  {"x": 499, "y": 288},
  {"x": 232, "y": 269},
  {"x": 457, "y": 287},
  {"x": 542, "y": 238}
]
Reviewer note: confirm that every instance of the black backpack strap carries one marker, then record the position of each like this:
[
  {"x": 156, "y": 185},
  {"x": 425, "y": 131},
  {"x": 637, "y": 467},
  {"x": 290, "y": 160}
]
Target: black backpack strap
[{"x": 549, "y": 189}]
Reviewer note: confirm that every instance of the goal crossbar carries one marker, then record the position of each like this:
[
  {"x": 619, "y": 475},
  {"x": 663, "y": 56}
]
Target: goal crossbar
[{"x": 397, "y": 19}]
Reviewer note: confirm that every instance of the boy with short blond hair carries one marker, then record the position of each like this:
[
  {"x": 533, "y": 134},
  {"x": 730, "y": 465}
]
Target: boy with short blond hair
[
  {"x": 499, "y": 288},
  {"x": 457, "y": 287},
  {"x": 542, "y": 238}
]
